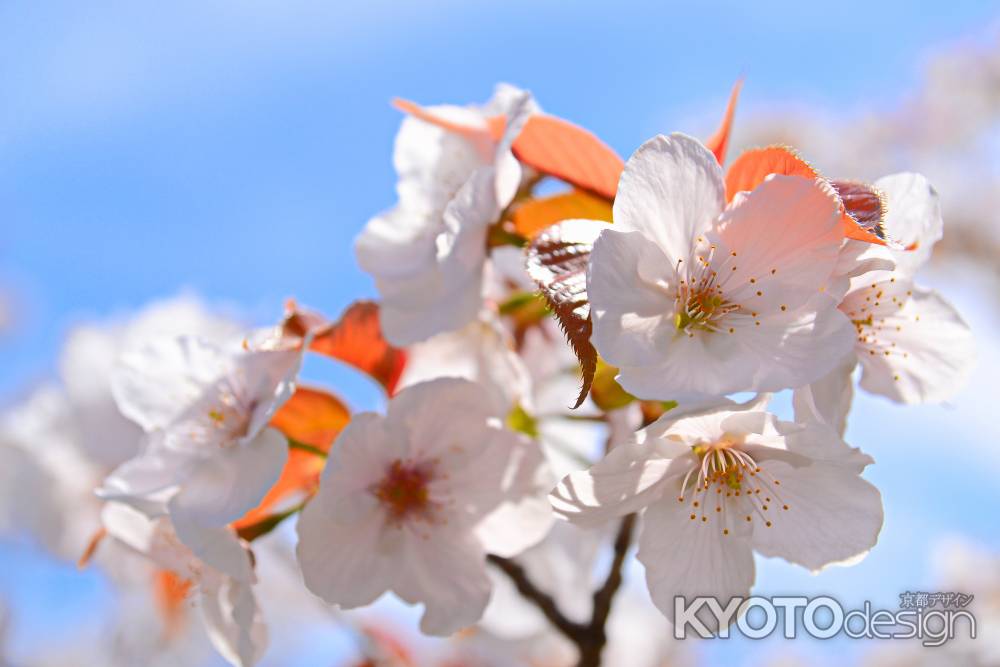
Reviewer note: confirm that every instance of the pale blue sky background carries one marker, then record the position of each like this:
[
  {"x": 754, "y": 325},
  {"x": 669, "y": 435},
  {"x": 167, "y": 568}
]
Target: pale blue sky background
[{"x": 236, "y": 148}]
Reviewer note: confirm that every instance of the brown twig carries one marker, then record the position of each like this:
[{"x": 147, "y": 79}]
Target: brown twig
[{"x": 590, "y": 637}]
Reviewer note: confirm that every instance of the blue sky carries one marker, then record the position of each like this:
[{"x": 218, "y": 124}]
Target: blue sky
[{"x": 236, "y": 148}]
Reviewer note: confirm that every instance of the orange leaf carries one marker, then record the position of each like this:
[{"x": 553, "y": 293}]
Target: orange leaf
[
  {"x": 751, "y": 168},
  {"x": 533, "y": 216},
  {"x": 718, "y": 143},
  {"x": 468, "y": 131},
  {"x": 355, "y": 339},
  {"x": 861, "y": 205},
  {"x": 312, "y": 417},
  {"x": 557, "y": 147}
]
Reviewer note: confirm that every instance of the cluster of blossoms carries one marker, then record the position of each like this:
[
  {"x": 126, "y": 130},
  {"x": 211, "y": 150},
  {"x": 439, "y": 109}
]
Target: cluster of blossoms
[{"x": 677, "y": 285}]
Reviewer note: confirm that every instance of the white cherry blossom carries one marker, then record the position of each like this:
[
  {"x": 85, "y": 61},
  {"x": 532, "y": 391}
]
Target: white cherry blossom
[
  {"x": 691, "y": 298},
  {"x": 209, "y": 456},
  {"x": 412, "y": 502},
  {"x": 717, "y": 484},
  {"x": 912, "y": 345},
  {"x": 427, "y": 253}
]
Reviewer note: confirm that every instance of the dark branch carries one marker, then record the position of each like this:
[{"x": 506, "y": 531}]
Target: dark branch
[
  {"x": 574, "y": 631},
  {"x": 590, "y": 637}
]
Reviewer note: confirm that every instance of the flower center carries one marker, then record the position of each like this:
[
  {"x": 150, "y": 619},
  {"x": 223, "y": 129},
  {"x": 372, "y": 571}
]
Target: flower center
[
  {"x": 403, "y": 491},
  {"x": 724, "y": 473},
  {"x": 700, "y": 308},
  {"x": 700, "y": 304}
]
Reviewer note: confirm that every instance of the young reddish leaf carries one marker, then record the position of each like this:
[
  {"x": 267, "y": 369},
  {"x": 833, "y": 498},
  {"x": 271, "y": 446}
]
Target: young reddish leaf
[
  {"x": 864, "y": 204},
  {"x": 535, "y": 215},
  {"x": 557, "y": 262},
  {"x": 718, "y": 143},
  {"x": 356, "y": 338},
  {"x": 311, "y": 419},
  {"x": 312, "y": 416},
  {"x": 557, "y": 147},
  {"x": 492, "y": 128},
  {"x": 751, "y": 168}
]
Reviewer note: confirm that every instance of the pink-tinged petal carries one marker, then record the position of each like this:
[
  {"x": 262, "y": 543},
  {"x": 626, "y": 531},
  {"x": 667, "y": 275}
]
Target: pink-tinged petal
[
  {"x": 338, "y": 551},
  {"x": 233, "y": 622},
  {"x": 671, "y": 190},
  {"x": 913, "y": 345},
  {"x": 833, "y": 514},
  {"x": 362, "y": 453},
  {"x": 446, "y": 572},
  {"x": 444, "y": 418},
  {"x": 629, "y": 478},
  {"x": 688, "y": 557},
  {"x": 525, "y": 516},
  {"x": 828, "y": 399},
  {"x": 779, "y": 244},
  {"x": 631, "y": 311}
]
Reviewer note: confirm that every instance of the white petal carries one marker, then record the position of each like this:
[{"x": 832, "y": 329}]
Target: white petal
[
  {"x": 833, "y": 514},
  {"x": 631, "y": 308},
  {"x": 796, "y": 347},
  {"x": 692, "y": 558},
  {"x": 446, "y": 571},
  {"x": 233, "y": 622},
  {"x": 149, "y": 480},
  {"x": 525, "y": 516},
  {"x": 445, "y": 294},
  {"x": 917, "y": 348},
  {"x": 786, "y": 236},
  {"x": 828, "y": 400},
  {"x": 671, "y": 190},
  {"x": 517, "y": 106},
  {"x": 156, "y": 382},
  {"x": 339, "y": 555},
  {"x": 433, "y": 163},
  {"x": 628, "y": 479},
  {"x": 226, "y": 486},
  {"x": 216, "y": 546},
  {"x": 913, "y": 217}
]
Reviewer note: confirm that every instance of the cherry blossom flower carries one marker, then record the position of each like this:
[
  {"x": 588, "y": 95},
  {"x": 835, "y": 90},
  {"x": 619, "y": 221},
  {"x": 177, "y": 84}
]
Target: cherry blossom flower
[
  {"x": 412, "y": 502},
  {"x": 717, "y": 484},
  {"x": 225, "y": 594},
  {"x": 690, "y": 299},
  {"x": 427, "y": 254},
  {"x": 209, "y": 456},
  {"x": 912, "y": 345}
]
